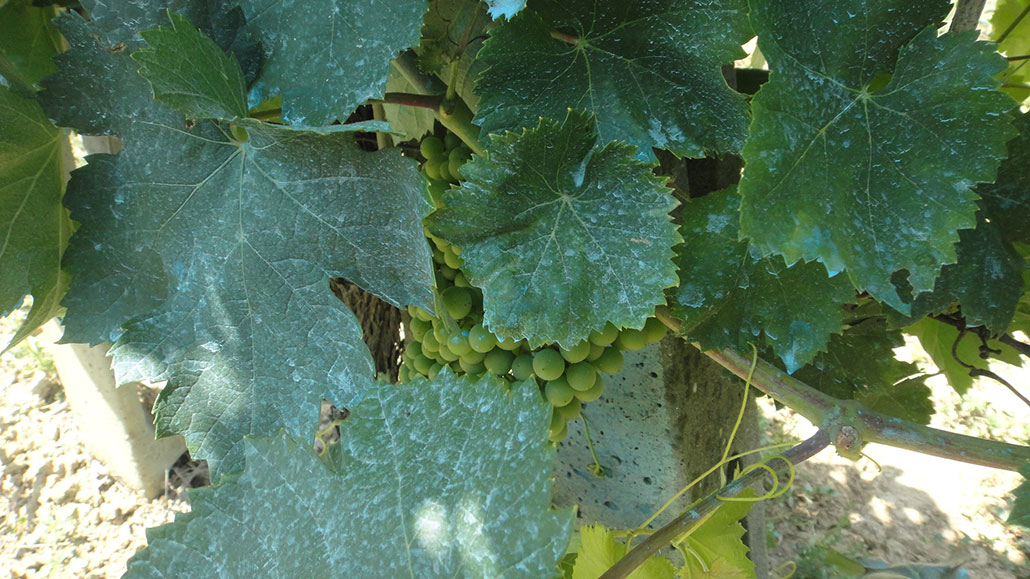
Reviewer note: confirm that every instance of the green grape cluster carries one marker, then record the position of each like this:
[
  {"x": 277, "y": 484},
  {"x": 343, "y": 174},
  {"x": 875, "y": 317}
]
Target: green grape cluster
[{"x": 457, "y": 338}]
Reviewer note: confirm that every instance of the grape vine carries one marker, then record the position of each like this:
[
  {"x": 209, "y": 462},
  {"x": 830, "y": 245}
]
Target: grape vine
[{"x": 531, "y": 184}]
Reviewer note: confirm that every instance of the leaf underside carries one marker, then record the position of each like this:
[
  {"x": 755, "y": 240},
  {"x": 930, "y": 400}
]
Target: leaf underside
[
  {"x": 444, "y": 479},
  {"x": 845, "y": 172},
  {"x": 561, "y": 233}
]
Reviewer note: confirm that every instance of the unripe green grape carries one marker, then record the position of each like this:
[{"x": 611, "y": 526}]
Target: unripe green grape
[
  {"x": 571, "y": 410},
  {"x": 473, "y": 357},
  {"x": 440, "y": 332},
  {"x": 448, "y": 273},
  {"x": 419, "y": 328},
  {"x": 522, "y": 367},
  {"x": 631, "y": 340},
  {"x": 558, "y": 392},
  {"x": 447, "y": 354},
  {"x": 610, "y": 361},
  {"x": 595, "y": 352},
  {"x": 437, "y": 256},
  {"x": 431, "y": 147},
  {"x": 577, "y": 353},
  {"x": 454, "y": 168},
  {"x": 460, "y": 280},
  {"x": 508, "y": 344},
  {"x": 581, "y": 376},
  {"x": 436, "y": 191},
  {"x": 557, "y": 419},
  {"x": 445, "y": 172},
  {"x": 481, "y": 340},
  {"x": 429, "y": 343},
  {"x": 654, "y": 330},
  {"x": 413, "y": 350},
  {"x": 456, "y": 250},
  {"x": 498, "y": 361},
  {"x": 435, "y": 169},
  {"x": 548, "y": 364},
  {"x": 422, "y": 364},
  {"x": 459, "y": 344},
  {"x": 439, "y": 243},
  {"x": 594, "y": 393},
  {"x": 460, "y": 153},
  {"x": 452, "y": 259},
  {"x": 472, "y": 369},
  {"x": 559, "y": 435},
  {"x": 404, "y": 374},
  {"x": 450, "y": 141},
  {"x": 605, "y": 336},
  {"x": 458, "y": 301},
  {"x": 434, "y": 370},
  {"x": 417, "y": 312}
]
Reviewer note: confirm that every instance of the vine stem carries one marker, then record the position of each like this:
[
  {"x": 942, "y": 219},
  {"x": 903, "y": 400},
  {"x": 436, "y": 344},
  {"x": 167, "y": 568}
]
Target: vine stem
[
  {"x": 967, "y": 15},
  {"x": 851, "y": 424},
  {"x": 1015, "y": 22},
  {"x": 707, "y": 506}
]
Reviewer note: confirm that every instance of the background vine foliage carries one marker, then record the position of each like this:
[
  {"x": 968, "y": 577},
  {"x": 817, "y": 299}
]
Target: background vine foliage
[{"x": 885, "y": 189}]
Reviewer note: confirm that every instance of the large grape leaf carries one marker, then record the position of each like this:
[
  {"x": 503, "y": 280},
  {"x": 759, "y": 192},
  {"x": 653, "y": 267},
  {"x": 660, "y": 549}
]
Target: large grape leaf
[
  {"x": 189, "y": 72},
  {"x": 650, "y": 72},
  {"x": 860, "y": 364},
  {"x": 220, "y": 252},
  {"x": 561, "y": 233},
  {"x": 1011, "y": 19},
  {"x": 1020, "y": 513},
  {"x": 869, "y": 177},
  {"x": 727, "y": 296},
  {"x": 34, "y": 227},
  {"x": 326, "y": 57},
  {"x": 717, "y": 547},
  {"x": 28, "y": 42},
  {"x": 598, "y": 551},
  {"x": 444, "y": 479}
]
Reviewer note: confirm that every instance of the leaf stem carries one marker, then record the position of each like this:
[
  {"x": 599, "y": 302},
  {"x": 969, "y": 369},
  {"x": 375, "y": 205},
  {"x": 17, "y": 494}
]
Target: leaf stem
[
  {"x": 1020, "y": 57},
  {"x": 410, "y": 99},
  {"x": 851, "y": 424},
  {"x": 1015, "y": 22},
  {"x": 704, "y": 508},
  {"x": 565, "y": 37}
]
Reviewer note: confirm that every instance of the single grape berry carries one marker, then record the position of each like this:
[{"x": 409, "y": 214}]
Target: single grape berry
[
  {"x": 610, "y": 361},
  {"x": 508, "y": 344},
  {"x": 595, "y": 352},
  {"x": 458, "y": 302},
  {"x": 558, "y": 392},
  {"x": 605, "y": 336},
  {"x": 459, "y": 344},
  {"x": 419, "y": 328},
  {"x": 548, "y": 364},
  {"x": 558, "y": 435},
  {"x": 654, "y": 330},
  {"x": 498, "y": 361},
  {"x": 431, "y": 148},
  {"x": 481, "y": 339},
  {"x": 413, "y": 350},
  {"x": 581, "y": 376},
  {"x": 429, "y": 343},
  {"x": 631, "y": 340},
  {"x": 571, "y": 410},
  {"x": 434, "y": 370},
  {"x": 422, "y": 364},
  {"x": 522, "y": 367},
  {"x": 557, "y": 419},
  {"x": 577, "y": 353},
  {"x": 450, "y": 140}
]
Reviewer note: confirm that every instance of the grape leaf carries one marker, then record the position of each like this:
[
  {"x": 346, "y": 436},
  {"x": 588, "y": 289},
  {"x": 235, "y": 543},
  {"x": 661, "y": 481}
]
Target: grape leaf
[
  {"x": 1010, "y": 18},
  {"x": 560, "y": 233},
  {"x": 860, "y": 364},
  {"x": 452, "y": 477},
  {"x": 719, "y": 542},
  {"x": 1007, "y": 200},
  {"x": 189, "y": 72},
  {"x": 505, "y": 8},
  {"x": 34, "y": 226},
  {"x": 1020, "y": 513},
  {"x": 220, "y": 252},
  {"x": 28, "y": 42},
  {"x": 599, "y": 550},
  {"x": 938, "y": 339},
  {"x": 843, "y": 171},
  {"x": 727, "y": 296},
  {"x": 326, "y": 58},
  {"x": 650, "y": 72}
]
